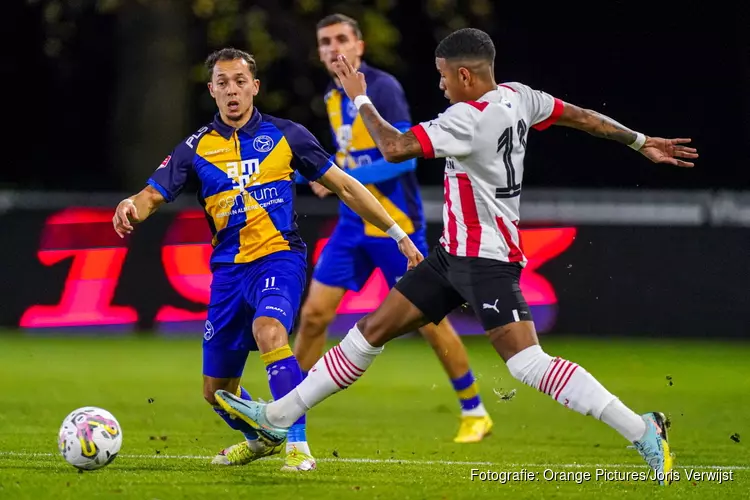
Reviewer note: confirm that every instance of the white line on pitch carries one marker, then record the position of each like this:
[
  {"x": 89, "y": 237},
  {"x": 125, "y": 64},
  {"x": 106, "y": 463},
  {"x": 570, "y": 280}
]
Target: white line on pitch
[{"x": 402, "y": 461}]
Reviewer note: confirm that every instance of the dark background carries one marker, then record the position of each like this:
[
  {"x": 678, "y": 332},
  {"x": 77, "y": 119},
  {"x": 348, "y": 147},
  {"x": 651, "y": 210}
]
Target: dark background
[{"x": 90, "y": 104}]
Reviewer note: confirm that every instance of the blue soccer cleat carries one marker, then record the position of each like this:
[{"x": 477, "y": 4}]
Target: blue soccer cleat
[
  {"x": 654, "y": 447},
  {"x": 254, "y": 414}
]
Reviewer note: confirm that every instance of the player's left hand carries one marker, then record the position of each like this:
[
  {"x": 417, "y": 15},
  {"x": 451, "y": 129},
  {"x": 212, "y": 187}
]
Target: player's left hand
[
  {"x": 407, "y": 247},
  {"x": 670, "y": 151},
  {"x": 352, "y": 80}
]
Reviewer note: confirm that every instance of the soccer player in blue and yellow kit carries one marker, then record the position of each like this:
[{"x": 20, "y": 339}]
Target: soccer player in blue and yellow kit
[
  {"x": 356, "y": 247},
  {"x": 244, "y": 163}
]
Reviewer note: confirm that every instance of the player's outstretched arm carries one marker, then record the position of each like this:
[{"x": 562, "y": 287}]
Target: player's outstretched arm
[
  {"x": 136, "y": 209},
  {"x": 395, "y": 145},
  {"x": 656, "y": 149},
  {"x": 392, "y": 143},
  {"x": 363, "y": 203}
]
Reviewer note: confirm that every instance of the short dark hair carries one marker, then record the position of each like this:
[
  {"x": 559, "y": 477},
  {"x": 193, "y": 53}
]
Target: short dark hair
[
  {"x": 230, "y": 54},
  {"x": 467, "y": 43},
  {"x": 340, "y": 19}
]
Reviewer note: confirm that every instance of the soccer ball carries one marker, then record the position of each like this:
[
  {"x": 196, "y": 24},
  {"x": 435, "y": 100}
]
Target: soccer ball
[{"x": 89, "y": 438}]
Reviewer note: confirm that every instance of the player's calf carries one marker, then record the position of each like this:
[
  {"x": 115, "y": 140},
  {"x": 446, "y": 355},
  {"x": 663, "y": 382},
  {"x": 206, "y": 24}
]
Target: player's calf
[
  {"x": 311, "y": 335},
  {"x": 565, "y": 381},
  {"x": 284, "y": 372},
  {"x": 571, "y": 385}
]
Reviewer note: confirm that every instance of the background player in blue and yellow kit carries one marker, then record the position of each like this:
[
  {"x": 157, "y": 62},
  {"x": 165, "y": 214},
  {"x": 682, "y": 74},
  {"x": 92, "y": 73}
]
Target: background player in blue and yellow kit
[
  {"x": 244, "y": 162},
  {"x": 356, "y": 247}
]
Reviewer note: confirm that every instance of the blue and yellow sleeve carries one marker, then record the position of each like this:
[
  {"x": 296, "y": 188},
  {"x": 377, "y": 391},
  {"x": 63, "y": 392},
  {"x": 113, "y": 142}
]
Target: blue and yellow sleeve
[
  {"x": 301, "y": 179},
  {"x": 173, "y": 174},
  {"x": 309, "y": 157}
]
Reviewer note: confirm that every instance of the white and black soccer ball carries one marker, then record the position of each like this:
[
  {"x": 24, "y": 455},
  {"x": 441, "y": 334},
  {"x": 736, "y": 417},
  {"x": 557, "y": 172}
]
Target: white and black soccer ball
[{"x": 90, "y": 438}]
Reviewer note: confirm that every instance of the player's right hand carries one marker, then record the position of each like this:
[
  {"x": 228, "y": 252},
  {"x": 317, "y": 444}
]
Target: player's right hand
[
  {"x": 407, "y": 247},
  {"x": 124, "y": 214}
]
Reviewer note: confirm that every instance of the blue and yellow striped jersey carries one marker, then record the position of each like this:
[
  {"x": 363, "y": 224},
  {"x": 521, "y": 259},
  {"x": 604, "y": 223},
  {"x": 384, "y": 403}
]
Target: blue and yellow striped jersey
[
  {"x": 245, "y": 183},
  {"x": 356, "y": 148}
]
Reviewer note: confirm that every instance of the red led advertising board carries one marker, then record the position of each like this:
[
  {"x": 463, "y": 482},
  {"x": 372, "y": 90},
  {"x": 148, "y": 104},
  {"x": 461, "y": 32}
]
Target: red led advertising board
[{"x": 80, "y": 238}]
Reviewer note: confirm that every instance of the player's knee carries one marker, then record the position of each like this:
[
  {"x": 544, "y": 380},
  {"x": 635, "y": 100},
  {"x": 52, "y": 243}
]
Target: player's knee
[
  {"x": 374, "y": 329},
  {"x": 269, "y": 334},
  {"x": 315, "y": 319},
  {"x": 529, "y": 365}
]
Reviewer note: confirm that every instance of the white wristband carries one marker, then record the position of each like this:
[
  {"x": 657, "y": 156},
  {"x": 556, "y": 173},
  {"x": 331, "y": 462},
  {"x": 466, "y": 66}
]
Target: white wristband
[
  {"x": 361, "y": 99},
  {"x": 637, "y": 144},
  {"x": 396, "y": 232}
]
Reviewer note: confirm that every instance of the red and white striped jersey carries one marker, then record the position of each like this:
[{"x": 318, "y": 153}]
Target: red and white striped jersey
[{"x": 484, "y": 143}]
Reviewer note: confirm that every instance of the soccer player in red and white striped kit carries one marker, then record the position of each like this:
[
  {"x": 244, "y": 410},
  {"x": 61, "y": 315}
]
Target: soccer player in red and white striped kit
[{"x": 479, "y": 260}]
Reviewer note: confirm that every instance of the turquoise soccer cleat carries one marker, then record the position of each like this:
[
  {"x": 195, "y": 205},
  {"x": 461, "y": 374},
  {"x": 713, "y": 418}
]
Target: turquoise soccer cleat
[
  {"x": 254, "y": 414},
  {"x": 654, "y": 447}
]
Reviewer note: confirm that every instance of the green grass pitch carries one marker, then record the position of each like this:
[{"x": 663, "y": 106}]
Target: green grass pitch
[{"x": 389, "y": 436}]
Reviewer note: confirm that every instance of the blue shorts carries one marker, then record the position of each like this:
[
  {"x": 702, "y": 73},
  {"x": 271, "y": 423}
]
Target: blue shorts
[
  {"x": 272, "y": 286},
  {"x": 349, "y": 258}
]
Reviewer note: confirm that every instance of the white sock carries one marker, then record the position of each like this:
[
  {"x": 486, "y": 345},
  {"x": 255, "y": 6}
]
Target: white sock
[
  {"x": 339, "y": 368},
  {"x": 624, "y": 420},
  {"x": 301, "y": 446},
  {"x": 574, "y": 387},
  {"x": 478, "y": 411}
]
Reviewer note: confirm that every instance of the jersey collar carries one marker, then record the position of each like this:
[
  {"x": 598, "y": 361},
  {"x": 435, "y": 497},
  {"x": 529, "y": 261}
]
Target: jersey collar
[{"x": 249, "y": 128}]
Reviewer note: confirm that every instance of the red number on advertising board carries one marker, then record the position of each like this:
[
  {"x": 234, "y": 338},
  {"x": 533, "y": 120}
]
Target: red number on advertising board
[
  {"x": 185, "y": 256},
  {"x": 97, "y": 257}
]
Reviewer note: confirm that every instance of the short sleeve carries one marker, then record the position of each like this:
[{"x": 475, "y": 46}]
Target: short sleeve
[
  {"x": 543, "y": 109},
  {"x": 174, "y": 172},
  {"x": 450, "y": 134},
  {"x": 309, "y": 157},
  {"x": 389, "y": 99}
]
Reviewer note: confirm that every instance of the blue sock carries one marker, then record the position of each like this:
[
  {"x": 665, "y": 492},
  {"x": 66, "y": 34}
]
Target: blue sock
[
  {"x": 236, "y": 423},
  {"x": 284, "y": 374},
  {"x": 468, "y": 391}
]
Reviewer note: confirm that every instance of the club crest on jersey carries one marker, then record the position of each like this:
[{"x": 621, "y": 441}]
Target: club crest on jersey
[
  {"x": 344, "y": 137},
  {"x": 165, "y": 162},
  {"x": 364, "y": 160},
  {"x": 209, "y": 333},
  {"x": 351, "y": 109},
  {"x": 263, "y": 144}
]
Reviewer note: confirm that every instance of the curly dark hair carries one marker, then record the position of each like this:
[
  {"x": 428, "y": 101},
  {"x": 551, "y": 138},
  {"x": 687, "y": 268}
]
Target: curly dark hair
[{"x": 467, "y": 43}]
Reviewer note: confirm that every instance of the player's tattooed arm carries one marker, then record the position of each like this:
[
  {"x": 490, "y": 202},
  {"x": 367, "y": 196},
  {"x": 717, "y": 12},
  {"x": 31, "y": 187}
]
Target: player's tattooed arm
[
  {"x": 395, "y": 145},
  {"x": 595, "y": 124},
  {"x": 656, "y": 149}
]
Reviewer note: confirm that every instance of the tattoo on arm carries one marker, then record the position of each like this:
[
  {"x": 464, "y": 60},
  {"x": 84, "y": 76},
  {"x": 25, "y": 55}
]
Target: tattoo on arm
[
  {"x": 395, "y": 146},
  {"x": 596, "y": 124},
  {"x": 607, "y": 128}
]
